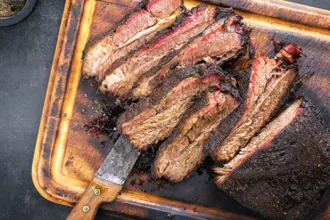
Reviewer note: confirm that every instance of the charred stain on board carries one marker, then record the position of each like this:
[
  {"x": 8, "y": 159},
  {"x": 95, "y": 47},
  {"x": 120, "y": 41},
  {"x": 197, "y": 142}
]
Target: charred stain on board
[
  {"x": 141, "y": 172},
  {"x": 206, "y": 166},
  {"x": 68, "y": 163},
  {"x": 145, "y": 182},
  {"x": 101, "y": 111},
  {"x": 63, "y": 69},
  {"x": 76, "y": 10},
  {"x": 59, "y": 92},
  {"x": 46, "y": 153},
  {"x": 146, "y": 159},
  {"x": 45, "y": 172},
  {"x": 106, "y": 123}
]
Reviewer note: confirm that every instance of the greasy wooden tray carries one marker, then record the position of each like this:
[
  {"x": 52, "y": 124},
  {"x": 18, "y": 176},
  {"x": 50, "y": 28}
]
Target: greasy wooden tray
[{"x": 76, "y": 127}]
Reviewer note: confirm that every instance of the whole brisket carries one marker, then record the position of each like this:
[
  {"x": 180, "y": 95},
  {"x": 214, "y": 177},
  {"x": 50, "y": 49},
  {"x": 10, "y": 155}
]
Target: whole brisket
[
  {"x": 136, "y": 30},
  {"x": 269, "y": 83},
  {"x": 151, "y": 58},
  {"x": 179, "y": 157},
  {"x": 158, "y": 121},
  {"x": 224, "y": 40},
  {"x": 284, "y": 170}
]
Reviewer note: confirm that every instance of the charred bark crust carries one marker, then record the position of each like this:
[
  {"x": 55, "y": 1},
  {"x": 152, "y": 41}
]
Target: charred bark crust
[{"x": 286, "y": 179}]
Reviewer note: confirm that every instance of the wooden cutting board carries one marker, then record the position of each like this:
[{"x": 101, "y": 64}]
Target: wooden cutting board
[{"x": 76, "y": 130}]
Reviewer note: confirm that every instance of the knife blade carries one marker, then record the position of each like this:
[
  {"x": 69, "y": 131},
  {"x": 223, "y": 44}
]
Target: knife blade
[
  {"x": 108, "y": 180},
  {"x": 119, "y": 162}
]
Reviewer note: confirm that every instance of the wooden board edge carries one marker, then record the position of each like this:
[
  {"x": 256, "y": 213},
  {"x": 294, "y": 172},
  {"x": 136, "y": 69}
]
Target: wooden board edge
[
  {"x": 50, "y": 188},
  {"x": 284, "y": 10},
  {"x": 38, "y": 183}
]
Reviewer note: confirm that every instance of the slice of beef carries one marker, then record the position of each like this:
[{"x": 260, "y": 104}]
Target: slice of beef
[
  {"x": 161, "y": 8},
  {"x": 261, "y": 140},
  {"x": 177, "y": 159},
  {"x": 284, "y": 170},
  {"x": 269, "y": 83},
  {"x": 219, "y": 134},
  {"x": 158, "y": 121},
  {"x": 136, "y": 30},
  {"x": 224, "y": 40},
  {"x": 121, "y": 80},
  {"x": 135, "y": 107}
]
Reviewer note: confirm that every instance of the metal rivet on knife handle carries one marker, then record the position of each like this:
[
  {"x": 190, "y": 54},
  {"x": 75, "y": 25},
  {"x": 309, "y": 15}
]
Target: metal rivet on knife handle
[
  {"x": 108, "y": 181},
  {"x": 97, "y": 192},
  {"x": 86, "y": 208}
]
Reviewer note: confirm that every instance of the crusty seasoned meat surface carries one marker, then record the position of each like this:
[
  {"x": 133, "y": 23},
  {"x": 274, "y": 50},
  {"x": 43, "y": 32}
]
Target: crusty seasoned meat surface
[
  {"x": 120, "y": 81},
  {"x": 224, "y": 40},
  {"x": 269, "y": 83},
  {"x": 177, "y": 159},
  {"x": 158, "y": 121},
  {"x": 259, "y": 141},
  {"x": 284, "y": 170},
  {"x": 135, "y": 31}
]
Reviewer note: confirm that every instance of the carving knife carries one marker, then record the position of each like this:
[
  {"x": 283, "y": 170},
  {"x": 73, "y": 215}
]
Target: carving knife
[{"x": 108, "y": 180}]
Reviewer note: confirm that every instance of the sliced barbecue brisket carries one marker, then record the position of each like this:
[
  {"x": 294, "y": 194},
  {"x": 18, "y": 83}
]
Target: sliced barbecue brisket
[
  {"x": 224, "y": 40},
  {"x": 284, "y": 170},
  {"x": 177, "y": 159},
  {"x": 219, "y": 134},
  {"x": 139, "y": 28},
  {"x": 259, "y": 141},
  {"x": 158, "y": 121},
  {"x": 269, "y": 83},
  {"x": 151, "y": 58}
]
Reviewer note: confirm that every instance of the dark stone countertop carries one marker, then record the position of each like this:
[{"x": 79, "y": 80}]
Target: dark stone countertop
[{"x": 26, "y": 54}]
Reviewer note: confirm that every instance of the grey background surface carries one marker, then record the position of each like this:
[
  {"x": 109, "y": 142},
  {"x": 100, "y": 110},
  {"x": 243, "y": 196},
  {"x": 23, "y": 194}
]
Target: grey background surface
[{"x": 26, "y": 54}]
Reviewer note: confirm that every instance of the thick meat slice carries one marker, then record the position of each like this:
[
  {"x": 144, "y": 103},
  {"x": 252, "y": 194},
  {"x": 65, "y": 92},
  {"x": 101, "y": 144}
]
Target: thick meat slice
[
  {"x": 267, "y": 135},
  {"x": 220, "y": 133},
  {"x": 162, "y": 8},
  {"x": 139, "y": 28},
  {"x": 176, "y": 160},
  {"x": 222, "y": 41},
  {"x": 283, "y": 171},
  {"x": 269, "y": 83},
  {"x": 121, "y": 80},
  {"x": 157, "y": 122}
]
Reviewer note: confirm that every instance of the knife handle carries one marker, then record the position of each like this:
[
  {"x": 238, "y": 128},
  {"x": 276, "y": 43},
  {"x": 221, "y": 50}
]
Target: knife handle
[{"x": 97, "y": 192}]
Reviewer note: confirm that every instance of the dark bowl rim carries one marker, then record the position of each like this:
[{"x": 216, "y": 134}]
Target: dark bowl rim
[{"x": 19, "y": 16}]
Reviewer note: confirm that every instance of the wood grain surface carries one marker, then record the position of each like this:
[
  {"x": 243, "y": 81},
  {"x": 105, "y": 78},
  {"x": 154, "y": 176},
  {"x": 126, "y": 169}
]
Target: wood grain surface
[
  {"x": 96, "y": 193},
  {"x": 77, "y": 126},
  {"x": 285, "y": 10}
]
